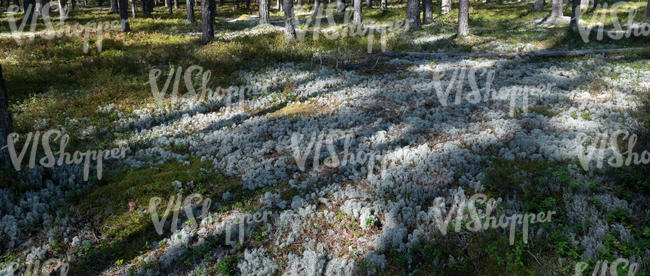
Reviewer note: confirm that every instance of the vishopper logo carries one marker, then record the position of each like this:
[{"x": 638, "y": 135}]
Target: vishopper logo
[
  {"x": 34, "y": 267},
  {"x": 228, "y": 95},
  {"x": 460, "y": 76},
  {"x": 335, "y": 31},
  {"x": 174, "y": 206},
  {"x": 49, "y": 160},
  {"x": 463, "y": 207},
  {"x": 633, "y": 28},
  {"x": 600, "y": 146},
  {"x": 613, "y": 267},
  {"x": 63, "y": 28},
  {"x": 369, "y": 158}
]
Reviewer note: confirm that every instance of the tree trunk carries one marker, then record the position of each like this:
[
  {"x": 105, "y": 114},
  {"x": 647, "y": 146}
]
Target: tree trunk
[
  {"x": 30, "y": 7},
  {"x": 6, "y": 124},
  {"x": 556, "y": 11},
  {"x": 357, "y": 18},
  {"x": 384, "y": 5},
  {"x": 539, "y": 5},
  {"x": 340, "y": 6},
  {"x": 445, "y": 6},
  {"x": 175, "y": 4},
  {"x": 73, "y": 4},
  {"x": 264, "y": 12},
  {"x": 190, "y": 11},
  {"x": 316, "y": 7},
  {"x": 428, "y": 11},
  {"x": 134, "y": 8},
  {"x": 63, "y": 6},
  {"x": 575, "y": 15},
  {"x": 221, "y": 3},
  {"x": 463, "y": 17},
  {"x": 17, "y": 3},
  {"x": 208, "y": 10},
  {"x": 369, "y": 4},
  {"x": 124, "y": 17},
  {"x": 647, "y": 10},
  {"x": 248, "y": 4},
  {"x": 289, "y": 20},
  {"x": 114, "y": 4},
  {"x": 279, "y": 5},
  {"x": 168, "y": 3},
  {"x": 39, "y": 6},
  {"x": 413, "y": 15}
]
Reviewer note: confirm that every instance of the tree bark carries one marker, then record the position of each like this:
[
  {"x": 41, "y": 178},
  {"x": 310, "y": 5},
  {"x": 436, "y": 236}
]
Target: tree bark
[
  {"x": 539, "y": 5},
  {"x": 428, "y": 11},
  {"x": 357, "y": 19},
  {"x": 445, "y": 6},
  {"x": 208, "y": 10},
  {"x": 279, "y": 5},
  {"x": 463, "y": 17},
  {"x": 248, "y": 4},
  {"x": 6, "y": 124},
  {"x": 575, "y": 15},
  {"x": 264, "y": 12},
  {"x": 73, "y": 4},
  {"x": 114, "y": 4},
  {"x": 340, "y": 6},
  {"x": 175, "y": 4},
  {"x": 316, "y": 7},
  {"x": 289, "y": 20},
  {"x": 190, "y": 11},
  {"x": 134, "y": 8},
  {"x": 384, "y": 5},
  {"x": 369, "y": 4},
  {"x": 556, "y": 11},
  {"x": 647, "y": 10},
  {"x": 413, "y": 15},
  {"x": 124, "y": 17},
  {"x": 168, "y": 3}
]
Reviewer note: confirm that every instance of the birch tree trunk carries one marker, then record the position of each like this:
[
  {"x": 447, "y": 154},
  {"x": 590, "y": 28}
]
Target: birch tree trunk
[
  {"x": 133, "y": 7},
  {"x": 340, "y": 6},
  {"x": 445, "y": 6},
  {"x": 357, "y": 18}
]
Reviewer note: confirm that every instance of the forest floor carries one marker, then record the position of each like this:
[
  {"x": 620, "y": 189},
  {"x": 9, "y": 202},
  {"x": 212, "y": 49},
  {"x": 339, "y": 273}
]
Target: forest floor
[{"x": 446, "y": 126}]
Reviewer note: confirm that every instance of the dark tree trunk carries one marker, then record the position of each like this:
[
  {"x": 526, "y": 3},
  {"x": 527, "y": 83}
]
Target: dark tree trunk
[
  {"x": 575, "y": 15},
  {"x": 6, "y": 124},
  {"x": 30, "y": 7},
  {"x": 124, "y": 16},
  {"x": 463, "y": 17},
  {"x": 168, "y": 3},
  {"x": 357, "y": 18},
  {"x": 369, "y": 4},
  {"x": 413, "y": 15},
  {"x": 134, "y": 8},
  {"x": 190, "y": 11},
  {"x": 248, "y": 4},
  {"x": 340, "y": 6},
  {"x": 289, "y": 20},
  {"x": 539, "y": 5},
  {"x": 100, "y": 2},
  {"x": 445, "y": 6},
  {"x": 208, "y": 10},
  {"x": 114, "y": 8},
  {"x": 428, "y": 11},
  {"x": 221, "y": 3},
  {"x": 264, "y": 12},
  {"x": 647, "y": 10},
  {"x": 73, "y": 4}
]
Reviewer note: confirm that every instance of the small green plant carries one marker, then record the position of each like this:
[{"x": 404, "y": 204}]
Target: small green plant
[{"x": 119, "y": 262}]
